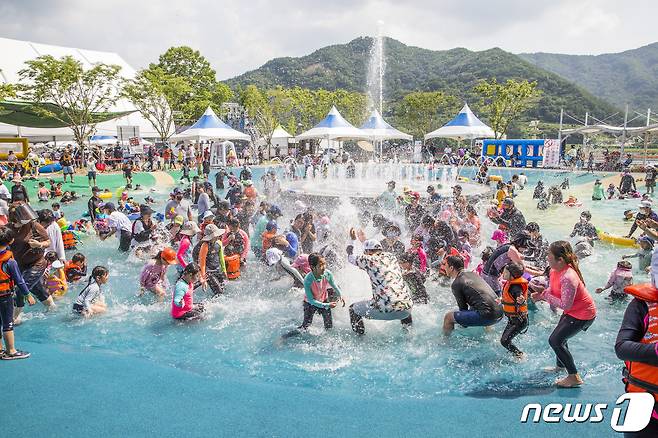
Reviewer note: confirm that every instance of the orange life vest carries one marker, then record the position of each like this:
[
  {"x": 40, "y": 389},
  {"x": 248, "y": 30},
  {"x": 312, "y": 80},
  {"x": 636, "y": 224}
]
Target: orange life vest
[
  {"x": 6, "y": 282},
  {"x": 69, "y": 240},
  {"x": 232, "y": 266},
  {"x": 638, "y": 376},
  {"x": 510, "y": 306},
  {"x": 71, "y": 265},
  {"x": 268, "y": 236}
]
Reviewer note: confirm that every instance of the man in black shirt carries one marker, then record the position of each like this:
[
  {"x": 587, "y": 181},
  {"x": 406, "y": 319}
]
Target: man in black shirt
[
  {"x": 477, "y": 302},
  {"x": 18, "y": 191}
]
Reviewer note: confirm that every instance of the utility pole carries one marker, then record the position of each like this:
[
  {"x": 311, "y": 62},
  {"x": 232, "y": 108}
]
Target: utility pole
[{"x": 623, "y": 135}]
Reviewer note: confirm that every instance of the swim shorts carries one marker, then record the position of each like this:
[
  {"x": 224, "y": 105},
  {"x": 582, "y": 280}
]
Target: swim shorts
[{"x": 471, "y": 318}]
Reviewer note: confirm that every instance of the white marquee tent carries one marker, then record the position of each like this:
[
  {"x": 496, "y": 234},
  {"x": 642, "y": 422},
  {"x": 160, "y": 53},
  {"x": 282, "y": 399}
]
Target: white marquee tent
[
  {"x": 16, "y": 52},
  {"x": 464, "y": 126}
]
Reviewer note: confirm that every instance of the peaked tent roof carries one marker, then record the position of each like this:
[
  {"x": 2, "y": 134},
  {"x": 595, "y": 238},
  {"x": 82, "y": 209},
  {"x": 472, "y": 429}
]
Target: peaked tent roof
[
  {"x": 333, "y": 127},
  {"x": 16, "y": 52},
  {"x": 210, "y": 127},
  {"x": 377, "y": 128},
  {"x": 279, "y": 132},
  {"x": 464, "y": 125}
]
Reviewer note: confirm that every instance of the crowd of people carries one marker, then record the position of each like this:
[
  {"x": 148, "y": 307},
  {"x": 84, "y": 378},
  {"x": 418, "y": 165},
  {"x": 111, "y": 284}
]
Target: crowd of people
[{"x": 211, "y": 233}]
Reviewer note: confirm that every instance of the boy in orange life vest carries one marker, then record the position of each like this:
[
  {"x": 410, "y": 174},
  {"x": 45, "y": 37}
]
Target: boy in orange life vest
[
  {"x": 514, "y": 300},
  {"x": 76, "y": 268}
]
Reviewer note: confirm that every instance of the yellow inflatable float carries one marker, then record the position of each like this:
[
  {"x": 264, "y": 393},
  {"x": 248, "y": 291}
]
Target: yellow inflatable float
[
  {"x": 495, "y": 178},
  {"x": 105, "y": 195},
  {"x": 617, "y": 240}
]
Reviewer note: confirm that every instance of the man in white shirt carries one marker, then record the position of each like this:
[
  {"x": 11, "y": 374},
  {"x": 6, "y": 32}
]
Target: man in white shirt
[
  {"x": 47, "y": 220},
  {"x": 91, "y": 170},
  {"x": 120, "y": 225}
]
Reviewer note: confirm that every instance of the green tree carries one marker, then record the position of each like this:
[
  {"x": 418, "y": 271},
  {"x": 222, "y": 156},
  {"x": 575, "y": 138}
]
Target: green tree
[
  {"x": 260, "y": 111},
  {"x": 7, "y": 91},
  {"x": 421, "y": 112},
  {"x": 203, "y": 89},
  {"x": 78, "y": 92},
  {"x": 149, "y": 91},
  {"x": 504, "y": 103}
]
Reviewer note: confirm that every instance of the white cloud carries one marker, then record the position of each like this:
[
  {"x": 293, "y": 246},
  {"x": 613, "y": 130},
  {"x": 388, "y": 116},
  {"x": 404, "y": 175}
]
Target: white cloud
[{"x": 237, "y": 36}]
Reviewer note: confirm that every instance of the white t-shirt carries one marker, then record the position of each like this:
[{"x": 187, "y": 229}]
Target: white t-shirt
[
  {"x": 91, "y": 165},
  {"x": 119, "y": 221}
]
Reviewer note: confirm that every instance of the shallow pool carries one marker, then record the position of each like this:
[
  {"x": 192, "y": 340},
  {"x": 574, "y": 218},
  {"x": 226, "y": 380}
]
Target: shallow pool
[{"x": 238, "y": 344}]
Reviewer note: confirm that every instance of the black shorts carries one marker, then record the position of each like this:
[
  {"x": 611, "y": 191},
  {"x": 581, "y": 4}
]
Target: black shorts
[
  {"x": 7, "y": 312},
  {"x": 127, "y": 173},
  {"x": 125, "y": 240}
]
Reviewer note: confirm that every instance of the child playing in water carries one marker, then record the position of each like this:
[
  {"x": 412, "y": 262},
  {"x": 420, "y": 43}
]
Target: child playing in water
[
  {"x": 629, "y": 215},
  {"x": 76, "y": 268},
  {"x": 597, "y": 193},
  {"x": 11, "y": 276},
  {"x": 584, "y": 227},
  {"x": 515, "y": 305},
  {"x": 643, "y": 255},
  {"x": 316, "y": 298},
  {"x": 91, "y": 301},
  {"x": 500, "y": 235},
  {"x": 414, "y": 279},
  {"x": 418, "y": 253},
  {"x": 55, "y": 277},
  {"x": 154, "y": 274},
  {"x": 486, "y": 253},
  {"x": 182, "y": 304},
  {"x": 619, "y": 279},
  {"x": 612, "y": 191},
  {"x": 43, "y": 193},
  {"x": 57, "y": 212}
]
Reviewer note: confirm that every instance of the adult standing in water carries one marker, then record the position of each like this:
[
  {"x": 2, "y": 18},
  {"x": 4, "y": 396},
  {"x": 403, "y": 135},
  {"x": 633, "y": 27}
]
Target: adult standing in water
[
  {"x": 391, "y": 299},
  {"x": 510, "y": 216},
  {"x": 510, "y": 252},
  {"x": 477, "y": 301},
  {"x": 566, "y": 290}
]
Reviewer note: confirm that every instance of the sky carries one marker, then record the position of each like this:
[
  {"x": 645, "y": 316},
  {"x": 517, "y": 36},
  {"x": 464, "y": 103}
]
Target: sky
[{"x": 241, "y": 35}]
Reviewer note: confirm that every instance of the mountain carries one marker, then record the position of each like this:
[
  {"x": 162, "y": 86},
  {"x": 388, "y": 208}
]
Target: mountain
[
  {"x": 620, "y": 78},
  {"x": 409, "y": 68}
]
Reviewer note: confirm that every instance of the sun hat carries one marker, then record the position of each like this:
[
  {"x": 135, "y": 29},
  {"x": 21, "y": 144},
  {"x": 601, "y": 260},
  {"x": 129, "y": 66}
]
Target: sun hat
[
  {"x": 57, "y": 264},
  {"x": 207, "y": 214},
  {"x": 372, "y": 245},
  {"x": 180, "y": 220},
  {"x": 169, "y": 256},
  {"x": 190, "y": 229},
  {"x": 211, "y": 232}
]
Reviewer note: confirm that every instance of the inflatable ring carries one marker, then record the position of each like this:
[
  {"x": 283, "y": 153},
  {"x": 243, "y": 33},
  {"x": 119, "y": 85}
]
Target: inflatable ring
[
  {"x": 120, "y": 190},
  {"x": 645, "y": 292},
  {"x": 133, "y": 216},
  {"x": 617, "y": 240},
  {"x": 50, "y": 168},
  {"x": 105, "y": 195},
  {"x": 462, "y": 179},
  {"x": 495, "y": 178}
]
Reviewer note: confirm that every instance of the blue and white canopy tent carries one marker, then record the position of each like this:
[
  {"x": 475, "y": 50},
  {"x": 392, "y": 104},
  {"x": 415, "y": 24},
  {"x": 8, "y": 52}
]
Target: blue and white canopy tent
[
  {"x": 333, "y": 127},
  {"x": 464, "y": 126},
  {"x": 378, "y": 129},
  {"x": 103, "y": 140},
  {"x": 210, "y": 127}
]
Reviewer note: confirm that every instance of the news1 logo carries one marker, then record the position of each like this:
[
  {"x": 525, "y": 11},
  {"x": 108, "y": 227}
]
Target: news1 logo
[{"x": 632, "y": 417}]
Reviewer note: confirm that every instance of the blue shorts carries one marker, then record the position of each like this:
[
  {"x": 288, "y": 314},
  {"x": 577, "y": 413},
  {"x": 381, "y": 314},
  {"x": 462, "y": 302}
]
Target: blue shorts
[
  {"x": 471, "y": 318},
  {"x": 68, "y": 170},
  {"x": 91, "y": 174}
]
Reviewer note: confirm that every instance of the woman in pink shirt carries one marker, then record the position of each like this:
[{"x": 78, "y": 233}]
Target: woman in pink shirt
[{"x": 566, "y": 290}]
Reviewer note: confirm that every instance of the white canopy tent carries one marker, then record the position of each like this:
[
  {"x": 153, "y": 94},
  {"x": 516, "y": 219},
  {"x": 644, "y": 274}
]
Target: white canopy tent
[
  {"x": 16, "y": 52},
  {"x": 210, "y": 127},
  {"x": 378, "y": 129},
  {"x": 464, "y": 126},
  {"x": 333, "y": 127}
]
